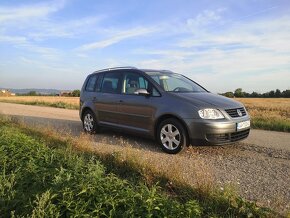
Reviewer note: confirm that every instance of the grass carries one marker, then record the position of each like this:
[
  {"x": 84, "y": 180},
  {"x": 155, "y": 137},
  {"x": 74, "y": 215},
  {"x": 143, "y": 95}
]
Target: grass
[
  {"x": 39, "y": 181},
  {"x": 44, "y": 174},
  {"x": 266, "y": 113}
]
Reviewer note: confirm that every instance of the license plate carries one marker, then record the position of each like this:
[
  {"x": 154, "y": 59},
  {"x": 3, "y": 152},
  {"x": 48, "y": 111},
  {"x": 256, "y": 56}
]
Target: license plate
[{"x": 243, "y": 125}]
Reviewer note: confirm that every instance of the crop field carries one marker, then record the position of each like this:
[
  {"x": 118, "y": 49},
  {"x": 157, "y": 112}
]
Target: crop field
[
  {"x": 269, "y": 113},
  {"x": 50, "y": 101},
  {"x": 266, "y": 113}
]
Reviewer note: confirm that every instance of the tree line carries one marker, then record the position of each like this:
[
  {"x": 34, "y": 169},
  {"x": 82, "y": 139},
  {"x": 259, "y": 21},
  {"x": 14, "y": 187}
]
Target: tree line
[
  {"x": 74, "y": 93},
  {"x": 239, "y": 93}
]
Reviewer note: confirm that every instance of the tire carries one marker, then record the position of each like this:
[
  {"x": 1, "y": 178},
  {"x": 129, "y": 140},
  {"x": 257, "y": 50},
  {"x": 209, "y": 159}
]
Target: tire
[
  {"x": 90, "y": 122},
  {"x": 172, "y": 136}
]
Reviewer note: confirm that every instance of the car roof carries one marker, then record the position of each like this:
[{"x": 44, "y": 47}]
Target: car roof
[{"x": 132, "y": 68}]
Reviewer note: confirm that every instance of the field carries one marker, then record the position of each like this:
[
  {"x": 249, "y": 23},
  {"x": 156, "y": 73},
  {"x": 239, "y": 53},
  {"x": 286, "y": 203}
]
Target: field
[
  {"x": 45, "y": 174},
  {"x": 50, "y": 101},
  {"x": 269, "y": 113},
  {"x": 266, "y": 113}
]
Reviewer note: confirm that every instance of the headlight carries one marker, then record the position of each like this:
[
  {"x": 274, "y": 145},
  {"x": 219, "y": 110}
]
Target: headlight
[{"x": 211, "y": 114}]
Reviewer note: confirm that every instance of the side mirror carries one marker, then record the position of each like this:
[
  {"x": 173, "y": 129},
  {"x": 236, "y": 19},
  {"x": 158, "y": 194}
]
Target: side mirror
[{"x": 141, "y": 92}]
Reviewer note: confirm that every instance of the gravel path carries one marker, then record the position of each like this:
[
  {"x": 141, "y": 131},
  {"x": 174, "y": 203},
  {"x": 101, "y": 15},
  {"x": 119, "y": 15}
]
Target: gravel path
[
  {"x": 259, "y": 167},
  {"x": 259, "y": 174}
]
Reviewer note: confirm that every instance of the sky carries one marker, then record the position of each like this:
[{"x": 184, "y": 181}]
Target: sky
[{"x": 223, "y": 45}]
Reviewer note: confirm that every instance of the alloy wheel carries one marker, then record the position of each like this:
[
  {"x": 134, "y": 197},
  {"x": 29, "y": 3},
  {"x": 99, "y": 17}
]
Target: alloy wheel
[
  {"x": 170, "y": 136},
  {"x": 88, "y": 122}
]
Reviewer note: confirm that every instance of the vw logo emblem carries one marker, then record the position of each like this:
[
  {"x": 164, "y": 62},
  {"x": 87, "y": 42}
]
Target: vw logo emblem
[{"x": 239, "y": 112}]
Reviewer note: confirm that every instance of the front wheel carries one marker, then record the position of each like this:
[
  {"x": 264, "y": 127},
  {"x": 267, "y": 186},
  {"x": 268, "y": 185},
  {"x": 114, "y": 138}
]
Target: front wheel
[
  {"x": 172, "y": 136},
  {"x": 89, "y": 122}
]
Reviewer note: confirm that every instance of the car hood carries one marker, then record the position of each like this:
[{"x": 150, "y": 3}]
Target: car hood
[{"x": 206, "y": 99}]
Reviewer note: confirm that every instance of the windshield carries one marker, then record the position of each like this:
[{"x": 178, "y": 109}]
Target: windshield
[{"x": 175, "y": 82}]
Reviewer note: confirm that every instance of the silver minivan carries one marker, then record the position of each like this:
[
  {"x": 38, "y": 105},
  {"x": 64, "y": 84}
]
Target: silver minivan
[{"x": 163, "y": 105}]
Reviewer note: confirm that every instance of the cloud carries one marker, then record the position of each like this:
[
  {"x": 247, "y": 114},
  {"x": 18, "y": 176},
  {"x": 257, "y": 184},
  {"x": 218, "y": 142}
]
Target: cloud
[
  {"x": 204, "y": 19},
  {"x": 24, "y": 13},
  {"x": 45, "y": 52},
  {"x": 13, "y": 39},
  {"x": 271, "y": 34},
  {"x": 21, "y": 42},
  {"x": 68, "y": 29},
  {"x": 118, "y": 37}
]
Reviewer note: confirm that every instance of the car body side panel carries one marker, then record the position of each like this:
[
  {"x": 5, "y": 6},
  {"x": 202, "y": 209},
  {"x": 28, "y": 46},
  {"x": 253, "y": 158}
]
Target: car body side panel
[
  {"x": 137, "y": 111},
  {"x": 107, "y": 110}
]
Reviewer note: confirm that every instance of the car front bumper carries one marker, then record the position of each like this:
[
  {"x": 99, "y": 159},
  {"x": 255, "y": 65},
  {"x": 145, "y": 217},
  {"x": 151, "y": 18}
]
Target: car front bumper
[{"x": 216, "y": 131}]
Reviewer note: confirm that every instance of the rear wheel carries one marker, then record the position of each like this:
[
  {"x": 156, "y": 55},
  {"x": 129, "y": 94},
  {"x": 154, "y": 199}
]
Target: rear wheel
[
  {"x": 89, "y": 122},
  {"x": 172, "y": 136}
]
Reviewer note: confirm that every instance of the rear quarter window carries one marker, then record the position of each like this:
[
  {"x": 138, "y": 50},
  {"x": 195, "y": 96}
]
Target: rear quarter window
[{"x": 90, "y": 87}]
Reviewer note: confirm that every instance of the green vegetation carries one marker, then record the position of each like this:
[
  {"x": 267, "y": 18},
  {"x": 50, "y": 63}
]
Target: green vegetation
[
  {"x": 239, "y": 93},
  {"x": 35, "y": 93},
  {"x": 42, "y": 175},
  {"x": 76, "y": 93},
  {"x": 58, "y": 104},
  {"x": 270, "y": 124}
]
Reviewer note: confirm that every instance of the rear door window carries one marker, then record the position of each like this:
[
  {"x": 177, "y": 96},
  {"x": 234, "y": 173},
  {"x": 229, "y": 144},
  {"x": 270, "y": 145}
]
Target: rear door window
[{"x": 112, "y": 82}]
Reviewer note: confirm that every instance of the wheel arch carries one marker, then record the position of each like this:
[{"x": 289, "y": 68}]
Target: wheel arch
[
  {"x": 86, "y": 108},
  {"x": 167, "y": 116}
]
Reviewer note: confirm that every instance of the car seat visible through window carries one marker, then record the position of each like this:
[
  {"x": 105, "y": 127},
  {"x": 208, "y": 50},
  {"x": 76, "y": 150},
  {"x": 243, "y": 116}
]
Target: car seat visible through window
[
  {"x": 108, "y": 86},
  {"x": 132, "y": 85}
]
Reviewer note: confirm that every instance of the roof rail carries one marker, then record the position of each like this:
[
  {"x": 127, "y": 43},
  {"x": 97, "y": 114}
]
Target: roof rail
[
  {"x": 116, "y": 68},
  {"x": 169, "y": 71}
]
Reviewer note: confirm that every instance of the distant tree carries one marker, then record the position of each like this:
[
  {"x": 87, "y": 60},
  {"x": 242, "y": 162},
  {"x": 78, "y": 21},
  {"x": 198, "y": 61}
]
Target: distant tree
[
  {"x": 76, "y": 93},
  {"x": 246, "y": 94},
  {"x": 32, "y": 93},
  {"x": 239, "y": 93},
  {"x": 255, "y": 95},
  {"x": 266, "y": 95},
  {"x": 278, "y": 93},
  {"x": 272, "y": 94},
  {"x": 286, "y": 93},
  {"x": 228, "y": 94}
]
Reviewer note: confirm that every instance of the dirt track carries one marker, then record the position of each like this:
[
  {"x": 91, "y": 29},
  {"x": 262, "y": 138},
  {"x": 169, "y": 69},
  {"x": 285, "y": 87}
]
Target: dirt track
[{"x": 259, "y": 167}]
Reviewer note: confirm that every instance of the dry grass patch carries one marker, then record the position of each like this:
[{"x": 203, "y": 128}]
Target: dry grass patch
[
  {"x": 269, "y": 113},
  {"x": 50, "y": 101}
]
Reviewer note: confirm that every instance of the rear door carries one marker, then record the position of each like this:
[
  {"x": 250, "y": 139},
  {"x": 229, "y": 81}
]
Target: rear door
[{"x": 109, "y": 98}]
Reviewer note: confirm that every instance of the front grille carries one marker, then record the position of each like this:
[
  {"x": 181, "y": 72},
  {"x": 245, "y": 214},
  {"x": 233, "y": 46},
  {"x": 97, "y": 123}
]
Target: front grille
[
  {"x": 227, "y": 137},
  {"x": 234, "y": 112}
]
